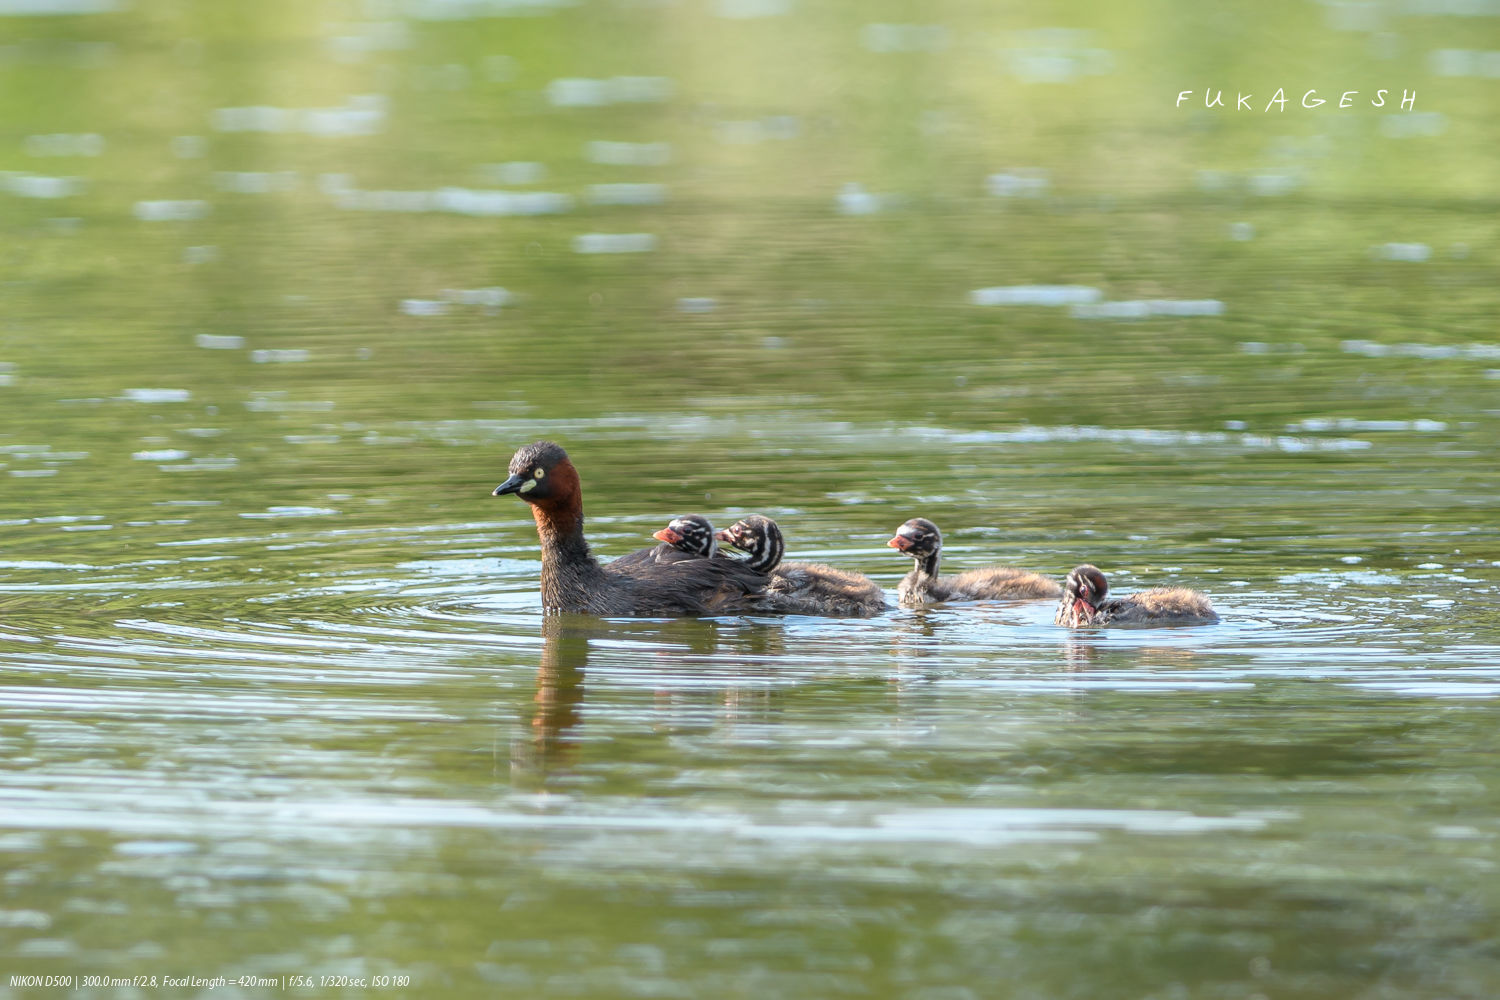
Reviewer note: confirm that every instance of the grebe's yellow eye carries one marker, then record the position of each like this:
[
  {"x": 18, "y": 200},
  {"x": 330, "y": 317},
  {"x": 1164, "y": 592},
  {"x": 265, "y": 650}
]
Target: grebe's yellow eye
[{"x": 539, "y": 473}]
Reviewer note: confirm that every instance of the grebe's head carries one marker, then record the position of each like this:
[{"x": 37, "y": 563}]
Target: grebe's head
[
  {"x": 918, "y": 538},
  {"x": 1085, "y": 589},
  {"x": 759, "y": 537},
  {"x": 690, "y": 533},
  {"x": 540, "y": 474}
]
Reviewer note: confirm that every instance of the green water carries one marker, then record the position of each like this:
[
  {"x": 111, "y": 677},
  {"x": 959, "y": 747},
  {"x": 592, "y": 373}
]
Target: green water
[{"x": 277, "y": 698}]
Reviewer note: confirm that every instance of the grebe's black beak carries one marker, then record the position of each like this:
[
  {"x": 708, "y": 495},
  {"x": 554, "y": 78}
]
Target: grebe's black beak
[{"x": 511, "y": 485}]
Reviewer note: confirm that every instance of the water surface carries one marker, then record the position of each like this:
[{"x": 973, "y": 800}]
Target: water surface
[{"x": 285, "y": 287}]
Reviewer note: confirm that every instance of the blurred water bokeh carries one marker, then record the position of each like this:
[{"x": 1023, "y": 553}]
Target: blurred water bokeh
[{"x": 285, "y": 283}]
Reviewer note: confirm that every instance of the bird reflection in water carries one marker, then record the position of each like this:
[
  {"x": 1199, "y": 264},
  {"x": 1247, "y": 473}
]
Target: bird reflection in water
[
  {"x": 745, "y": 655},
  {"x": 558, "y": 703},
  {"x": 1078, "y": 654}
]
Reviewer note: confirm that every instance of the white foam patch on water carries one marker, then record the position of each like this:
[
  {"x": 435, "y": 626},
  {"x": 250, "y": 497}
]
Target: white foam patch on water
[
  {"x": 1146, "y": 308},
  {"x": 469, "y": 569},
  {"x": 161, "y": 816},
  {"x": 1356, "y": 424},
  {"x": 291, "y": 511},
  {"x": 28, "y": 8},
  {"x": 580, "y": 92},
  {"x": 1413, "y": 124},
  {"x": 219, "y": 342},
  {"x": 1080, "y": 683},
  {"x": 1339, "y": 578},
  {"x": 155, "y": 848},
  {"x": 218, "y": 463},
  {"x": 458, "y": 201},
  {"x": 614, "y": 243},
  {"x": 853, "y": 199},
  {"x": 361, "y": 115},
  {"x": 1465, "y": 63},
  {"x": 1262, "y": 183},
  {"x": 358, "y": 39},
  {"x": 1432, "y": 689},
  {"x": 938, "y": 821},
  {"x": 490, "y": 297},
  {"x": 1147, "y": 436},
  {"x": 280, "y": 356},
  {"x": 1035, "y": 295},
  {"x": 514, "y": 172},
  {"x": 160, "y": 455},
  {"x": 626, "y": 194},
  {"x": 1273, "y": 183},
  {"x": 64, "y": 144},
  {"x": 36, "y": 186},
  {"x": 101, "y": 701},
  {"x": 157, "y": 395},
  {"x": 1023, "y": 182},
  {"x": 745, "y": 10},
  {"x": 1055, "y": 55},
  {"x": 628, "y": 154},
  {"x": 465, "y": 10},
  {"x": 257, "y": 181},
  {"x": 1430, "y": 352},
  {"x": 170, "y": 210},
  {"x": 32, "y": 474},
  {"x": 276, "y": 401},
  {"x": 790, "y": 425},
  {"x": 1409, "y": 252},
  {"x": 30, "y": 919},
  {"x": 160, "y": 813}
]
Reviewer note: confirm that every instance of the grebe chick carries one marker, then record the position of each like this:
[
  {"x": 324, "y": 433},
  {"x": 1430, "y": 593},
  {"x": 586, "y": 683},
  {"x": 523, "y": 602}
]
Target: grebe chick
[
  {"x": 798, "y": 587},
  {"x": 1084, "y": 604},
  {"x": 920, "y": 539},
  {"x": 689, "y": 536},
  {"x": 573, "y": 580}
]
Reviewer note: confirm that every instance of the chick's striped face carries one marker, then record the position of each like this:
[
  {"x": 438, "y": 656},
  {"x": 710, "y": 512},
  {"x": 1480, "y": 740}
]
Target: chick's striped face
[
  {"x": 1086, "y": 588},
  {"x": 690, "y": 533},
  {"x": 743, "y": 537},
  {"x": 759, "y": 538},
  {"x": 917, "y": 538}
]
